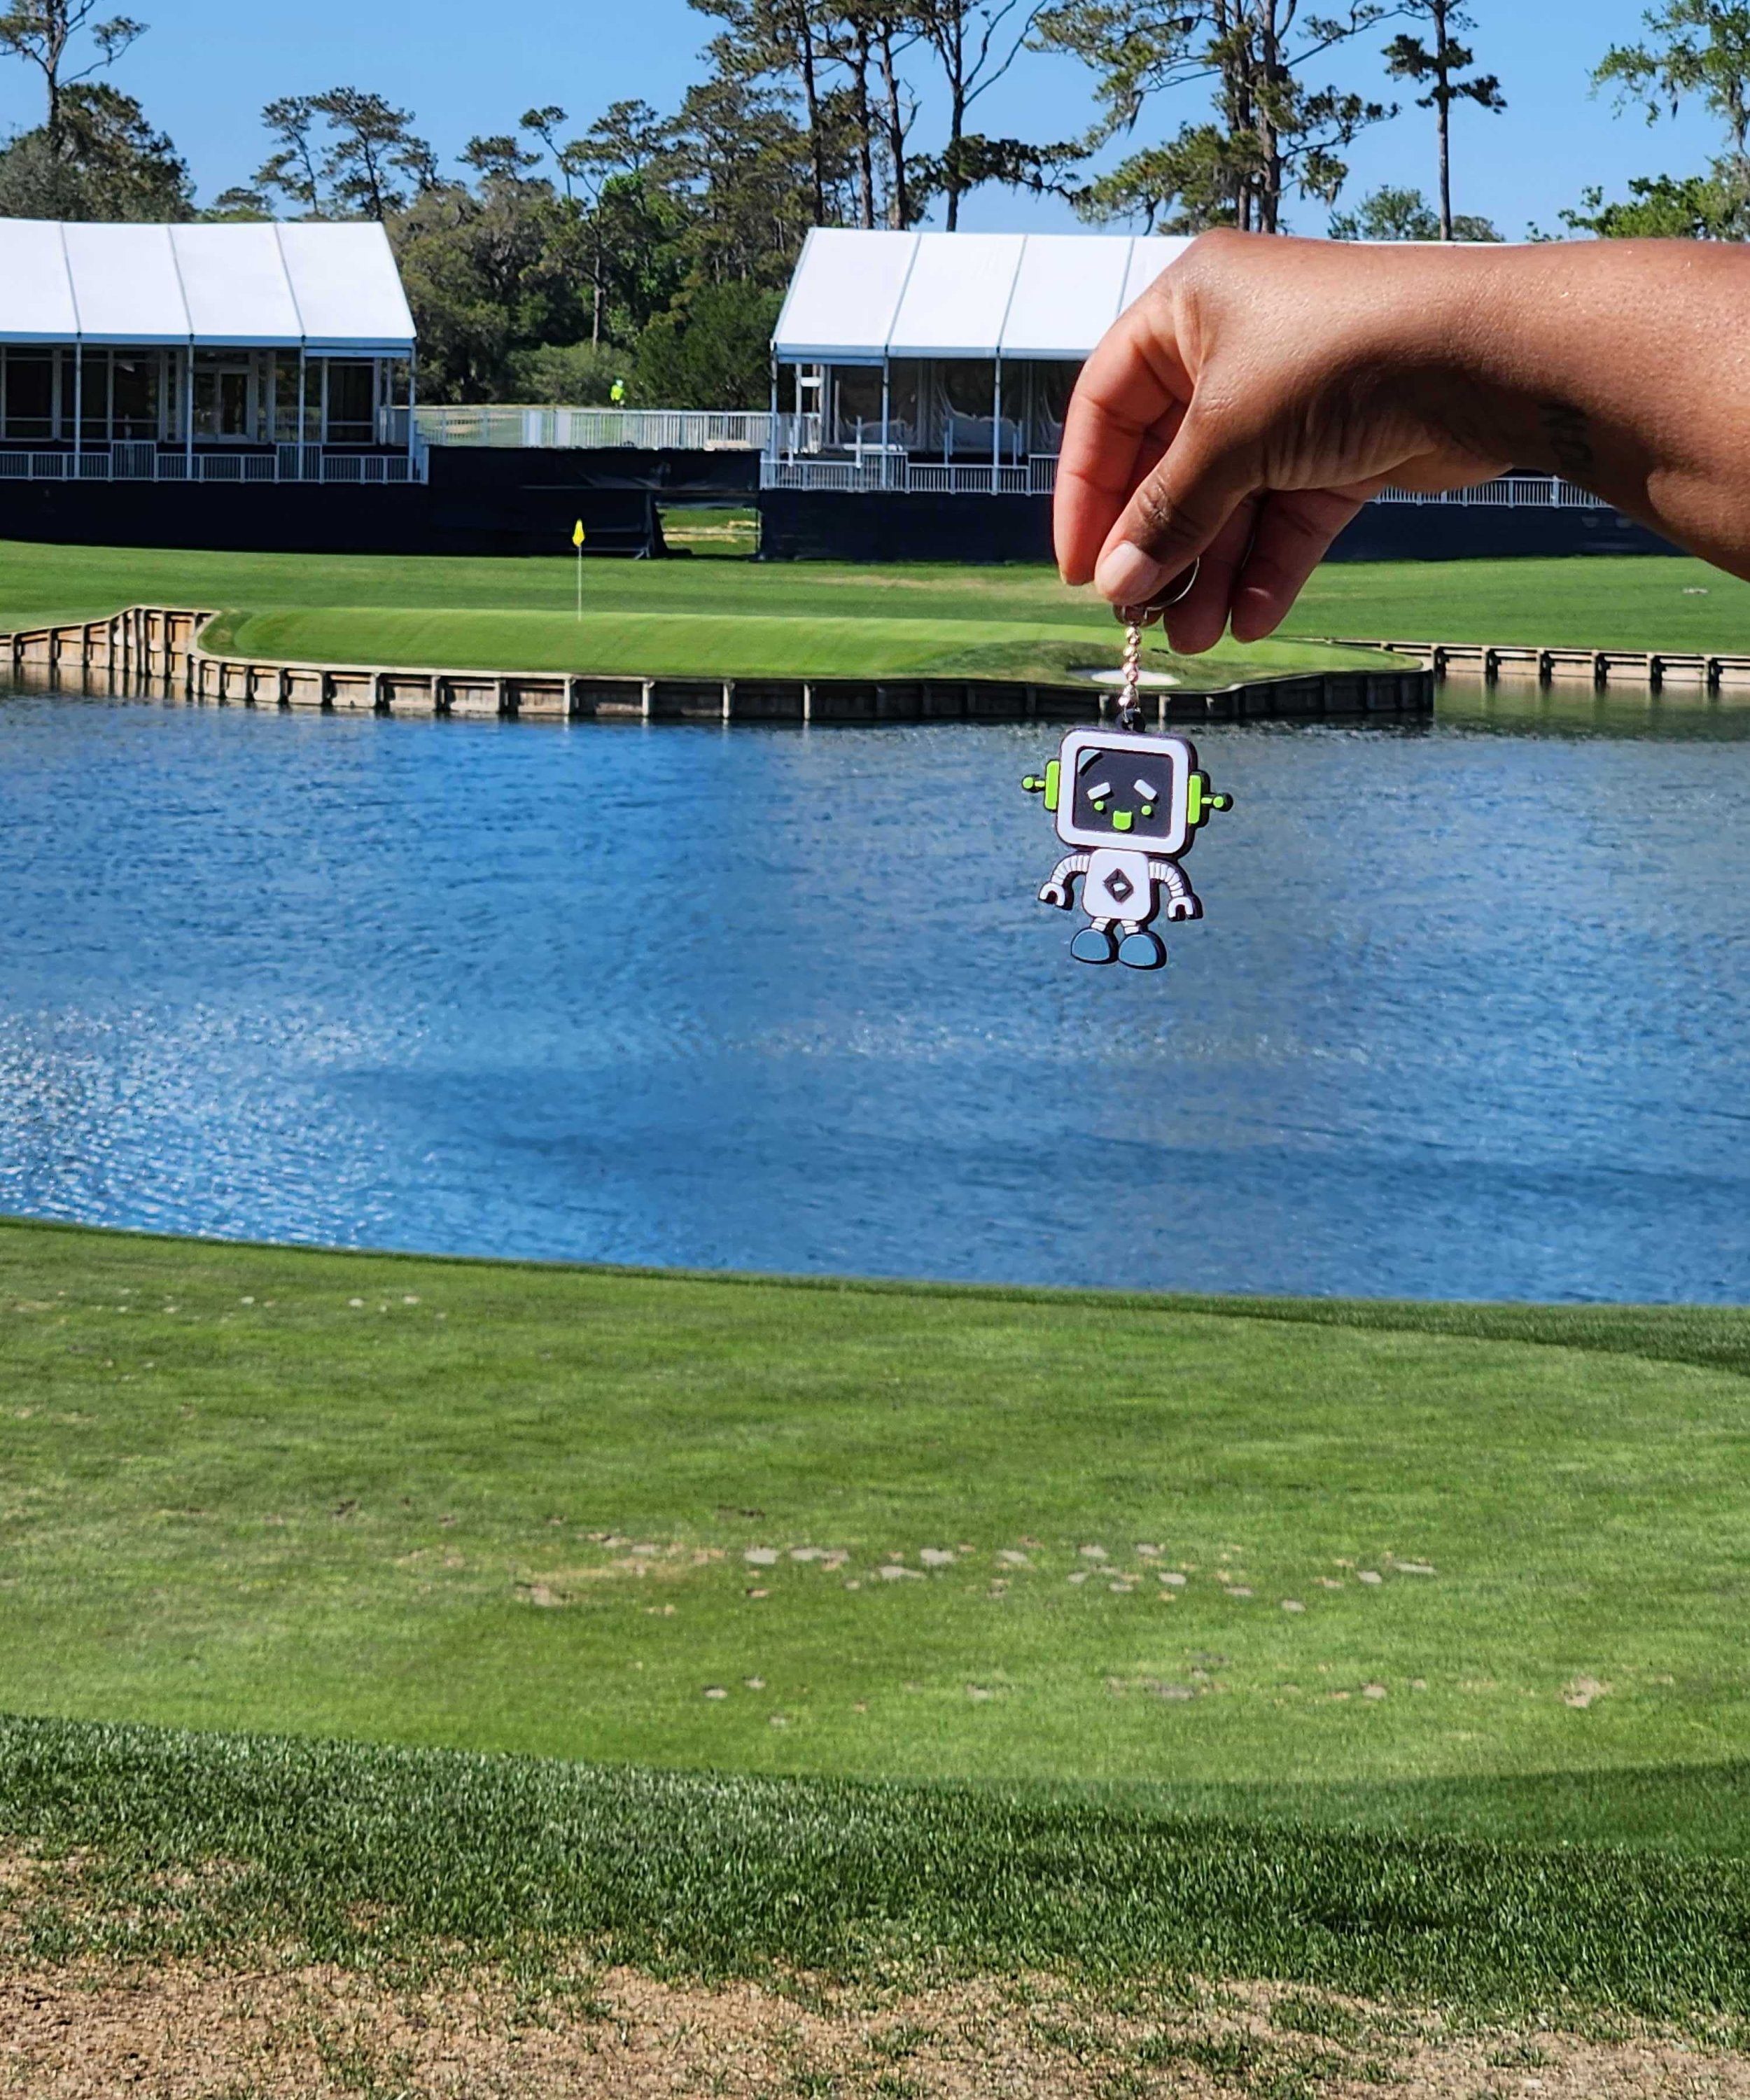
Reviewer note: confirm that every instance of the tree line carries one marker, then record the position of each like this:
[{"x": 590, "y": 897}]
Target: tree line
[{"x": 641, "y": 254}]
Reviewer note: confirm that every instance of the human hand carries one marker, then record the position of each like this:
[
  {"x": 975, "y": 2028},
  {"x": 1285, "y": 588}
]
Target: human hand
[{"x": 1244, "y": 407}]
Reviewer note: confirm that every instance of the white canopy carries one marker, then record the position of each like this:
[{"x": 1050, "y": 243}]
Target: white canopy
[
  {"x": 857, "y": 297},
  {"x": 333, "y": 289}
]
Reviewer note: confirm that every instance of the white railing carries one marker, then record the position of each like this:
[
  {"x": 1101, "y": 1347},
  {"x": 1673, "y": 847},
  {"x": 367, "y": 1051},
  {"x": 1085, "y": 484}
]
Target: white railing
[
  {"x": 1511, "y": 492},
  {"x": 145, "y": 462},
  {"x": 645, "y": 429},
  {"x": 869, "y": 471},
  {"x": 874, "y": 472}
]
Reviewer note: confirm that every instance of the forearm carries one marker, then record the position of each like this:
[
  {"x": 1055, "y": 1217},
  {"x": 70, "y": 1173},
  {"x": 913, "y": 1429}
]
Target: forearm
[
  {"x": 1620, "y": 365},
  {"x": 1263, "y": 388}
]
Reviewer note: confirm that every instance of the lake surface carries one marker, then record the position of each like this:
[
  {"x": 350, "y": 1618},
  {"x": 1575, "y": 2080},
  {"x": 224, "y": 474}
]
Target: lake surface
[{"x": 1468, "y": 1016}]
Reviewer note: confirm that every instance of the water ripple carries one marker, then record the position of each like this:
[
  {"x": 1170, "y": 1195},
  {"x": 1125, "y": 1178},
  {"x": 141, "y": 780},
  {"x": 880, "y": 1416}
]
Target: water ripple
[{"x": 1467, "y": 1015}]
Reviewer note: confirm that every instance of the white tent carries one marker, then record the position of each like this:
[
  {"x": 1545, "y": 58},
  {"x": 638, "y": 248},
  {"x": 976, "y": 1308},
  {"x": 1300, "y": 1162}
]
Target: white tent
[
  {"x": 330, "y": 290},
  {"x": 861, "y": 298}
]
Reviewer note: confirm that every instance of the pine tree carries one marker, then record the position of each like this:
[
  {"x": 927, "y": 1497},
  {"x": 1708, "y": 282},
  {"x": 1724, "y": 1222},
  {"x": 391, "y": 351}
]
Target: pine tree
[{"x": 1441, "y": 63}]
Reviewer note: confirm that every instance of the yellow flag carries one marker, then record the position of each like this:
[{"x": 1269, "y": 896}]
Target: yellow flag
[{"x": 577, "y": 533}]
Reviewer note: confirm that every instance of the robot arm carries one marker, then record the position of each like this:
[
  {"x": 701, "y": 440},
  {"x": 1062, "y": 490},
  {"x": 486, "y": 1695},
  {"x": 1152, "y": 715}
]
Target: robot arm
[
  {"x": 1182, "y": 900},
  {"x": 1061, "y": 889}
]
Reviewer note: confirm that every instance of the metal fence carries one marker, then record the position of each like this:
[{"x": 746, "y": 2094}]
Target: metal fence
[
  {"x": 894, "y": 472},
  {"x": 1511, "y": 492},
  {"x": 647, "y": 429},
  {"x": 870, "y": 471},
  {"x": 145, "y": 462}
]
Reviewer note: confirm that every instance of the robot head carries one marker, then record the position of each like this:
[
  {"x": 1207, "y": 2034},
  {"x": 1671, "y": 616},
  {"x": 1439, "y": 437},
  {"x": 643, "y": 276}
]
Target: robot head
[{"x": 1126, "y": 790}]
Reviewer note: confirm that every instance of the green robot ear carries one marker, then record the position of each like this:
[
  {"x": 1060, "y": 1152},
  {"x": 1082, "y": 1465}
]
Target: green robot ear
[
  {"x": 1035, "y": 785},
  {"x": 1199, "y": 801}
]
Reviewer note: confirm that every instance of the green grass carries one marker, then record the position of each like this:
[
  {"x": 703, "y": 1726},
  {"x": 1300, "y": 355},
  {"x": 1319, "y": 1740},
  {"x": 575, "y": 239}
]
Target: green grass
[
  {"x": 716, "y": 531},
  {"x": 192, "y": 1845},
  {"x": 288, "y": 1497},
  {"x": 507, "y": 1508},
  {"x": 1650, "y": 602},
  {"x": 823, "y": 644},
  {"x": 717, "y": 618}
]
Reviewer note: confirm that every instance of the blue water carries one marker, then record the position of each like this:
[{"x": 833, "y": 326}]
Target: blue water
[{"x": 1468, "y": 1015}]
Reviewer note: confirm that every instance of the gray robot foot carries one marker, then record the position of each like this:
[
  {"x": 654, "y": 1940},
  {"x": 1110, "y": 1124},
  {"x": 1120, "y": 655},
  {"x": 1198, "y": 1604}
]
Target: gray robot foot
[
  {"x": 1094, "y": 944},
  {"x": 1142, "y": 952}
]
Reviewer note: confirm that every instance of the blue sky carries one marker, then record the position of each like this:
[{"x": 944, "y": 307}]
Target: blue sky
[{"x": 206, "y": 68}]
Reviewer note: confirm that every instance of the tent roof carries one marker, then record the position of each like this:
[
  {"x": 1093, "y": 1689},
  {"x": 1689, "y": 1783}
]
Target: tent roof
[
  {"x": 331, "y": 288},
  {"x": 859, "y": 297}
]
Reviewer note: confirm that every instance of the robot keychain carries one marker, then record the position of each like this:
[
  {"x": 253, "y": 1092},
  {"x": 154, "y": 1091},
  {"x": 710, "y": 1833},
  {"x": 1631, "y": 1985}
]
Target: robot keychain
[{"x": 1128, "y": 805}]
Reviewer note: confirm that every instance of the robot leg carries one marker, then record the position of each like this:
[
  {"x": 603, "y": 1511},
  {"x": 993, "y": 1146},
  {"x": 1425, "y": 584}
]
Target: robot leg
[
  {"x": 1140, "y": 949},
  {"x": 1094, "y": 943}
]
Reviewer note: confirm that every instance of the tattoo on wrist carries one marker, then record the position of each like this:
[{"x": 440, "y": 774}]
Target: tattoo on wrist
[{"x": 1570, "y": 439}]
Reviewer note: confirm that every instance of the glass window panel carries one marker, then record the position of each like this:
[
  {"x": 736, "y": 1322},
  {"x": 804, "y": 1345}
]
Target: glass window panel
[
  {"x": 222, "y": 400},
  {"x": 857, "y": 391},
  {"x": 285, "y": 428},
  {"x": 135, "y": 398},
  {"x": 970, "y": 385},
  {"x": 94, "y": 399},
  {"x": 1053, "y": 385},
  {"x": 352, "y": 395},
  {"x": 29, "y": 395}
]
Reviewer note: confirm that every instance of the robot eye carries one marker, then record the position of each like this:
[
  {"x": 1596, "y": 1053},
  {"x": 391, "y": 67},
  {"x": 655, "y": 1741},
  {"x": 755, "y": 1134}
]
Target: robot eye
[
  {"x": 1099, "y": 794},
  {"x": 1145, "y": 789}
]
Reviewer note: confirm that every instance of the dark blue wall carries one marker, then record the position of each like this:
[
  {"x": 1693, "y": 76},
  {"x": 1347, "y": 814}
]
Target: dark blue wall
[
  {"x": 455, "y": 514},
  {"x": 800, "y": 525}
]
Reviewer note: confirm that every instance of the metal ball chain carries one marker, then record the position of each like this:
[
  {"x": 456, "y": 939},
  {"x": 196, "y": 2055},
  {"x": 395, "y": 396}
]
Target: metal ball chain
[
  {"x": 1130, "y": 694},
  {"x": 1135, "y": 618}
]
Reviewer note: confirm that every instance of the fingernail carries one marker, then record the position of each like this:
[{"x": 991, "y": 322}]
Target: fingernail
[{"x": 1127, "y": 575}]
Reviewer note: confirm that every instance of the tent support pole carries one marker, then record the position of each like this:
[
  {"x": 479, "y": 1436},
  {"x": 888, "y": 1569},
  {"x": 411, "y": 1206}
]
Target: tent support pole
[
  {"x": 887, "y": 403},
  {"x": 79, "y": 403},
  {"x": 188, "y": 412},
  {"x": 996, "y": 423}
]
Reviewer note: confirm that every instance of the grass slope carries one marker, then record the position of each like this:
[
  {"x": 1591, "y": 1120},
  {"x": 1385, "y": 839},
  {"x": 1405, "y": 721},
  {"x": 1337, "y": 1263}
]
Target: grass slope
[
  {"x": 646, "y": 1519},
  {"x": 186, "y": 1844},
  {"x": 1633, "y": 602},
  {"x": 676, "y": 619},
  {"x": 824, "y": 643},
  {"x": 1004, "y": 620}
]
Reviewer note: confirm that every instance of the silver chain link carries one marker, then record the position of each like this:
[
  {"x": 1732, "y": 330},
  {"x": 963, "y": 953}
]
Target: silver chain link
[
  {"x": 1135, "y": 618},
  {"x": 1130, "y": 696}
]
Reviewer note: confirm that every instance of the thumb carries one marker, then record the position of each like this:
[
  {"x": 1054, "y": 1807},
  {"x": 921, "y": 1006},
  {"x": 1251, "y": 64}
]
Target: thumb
[{"x": 1176, "y": 511}]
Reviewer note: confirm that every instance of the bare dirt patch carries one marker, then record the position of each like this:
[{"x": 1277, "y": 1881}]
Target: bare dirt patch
[{"x": 191, "y": 2033}]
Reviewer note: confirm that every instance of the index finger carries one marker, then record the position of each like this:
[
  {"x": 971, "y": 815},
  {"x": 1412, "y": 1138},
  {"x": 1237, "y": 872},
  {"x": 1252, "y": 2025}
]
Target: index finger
[{"x": 1132, "y": 393}]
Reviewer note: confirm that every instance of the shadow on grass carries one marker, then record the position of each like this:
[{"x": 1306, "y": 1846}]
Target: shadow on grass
[{"x": 180, "y": 1843}]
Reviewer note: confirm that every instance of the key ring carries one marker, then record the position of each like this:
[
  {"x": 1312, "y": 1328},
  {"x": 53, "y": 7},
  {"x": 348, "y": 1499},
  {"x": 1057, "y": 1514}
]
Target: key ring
[
  {"x": 1135, "y": 618},
  {"x": 1147, "y": 613}
]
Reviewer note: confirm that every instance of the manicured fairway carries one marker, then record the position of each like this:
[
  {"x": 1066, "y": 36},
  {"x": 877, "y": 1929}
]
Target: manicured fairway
[
  {"x": 751, "y": 644},
  {"x": 1404, "y": 1560},
  {"x": 731, "y": 618},
  {"x": 716, "y": 619}
]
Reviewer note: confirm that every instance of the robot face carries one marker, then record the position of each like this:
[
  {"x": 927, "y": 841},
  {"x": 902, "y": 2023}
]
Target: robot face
[{"x": 1118, "y": 790}]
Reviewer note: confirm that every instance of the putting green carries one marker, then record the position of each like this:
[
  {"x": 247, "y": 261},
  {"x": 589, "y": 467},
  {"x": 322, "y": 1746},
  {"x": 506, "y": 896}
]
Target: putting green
[
  {"x": 739, "y": 644},
  {"x": 737, "y": 619},
  {"x": 781, "y": 1528}
]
